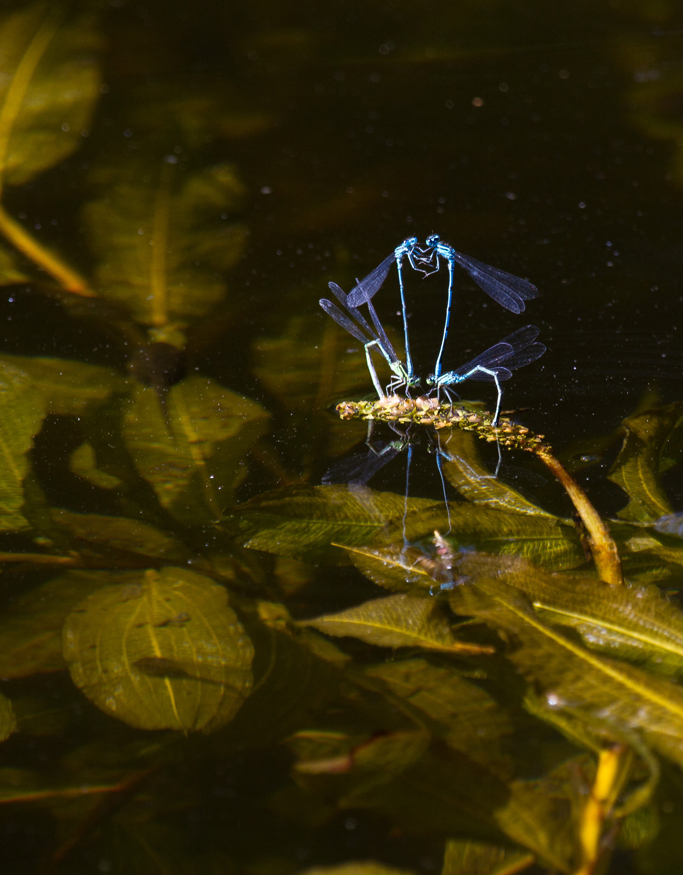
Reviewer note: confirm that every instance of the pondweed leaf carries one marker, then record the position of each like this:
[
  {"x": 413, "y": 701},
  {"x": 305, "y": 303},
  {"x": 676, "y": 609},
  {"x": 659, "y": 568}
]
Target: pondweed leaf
[
  {"x": 403, "y": 558},
  {"x": 194, "y": 458},
  {"x": 300, "y": 368},
  {"x": 398, "y": 621},
  {"x": 41, "y": 716},
  {"x": 305, "y": 521},
  {"x": 173, "y": 615},
  {"x": 638, "y": 465},
  {"x": 8, "y": 722},
  {"x": 112, "y": 535},
  {"x": 466, "y": 473},
  {"x": 160, "y": 239},
  {"x": 444, "y": 792},
  {"x": 465, "y": 857},
  {"x": 24, "y": 785},
  {"x": 544, "y": 540},
  {"x": 68, "y": 386},
  {"x": 83, "y": 463},
  {"x": 10, "y": 271},
  {"x": 31, "y": 631},
  {"x": 50, "y": 83},
  {"x": 455, "y": 709},
  {"x": 22, "y": 410},
  {"x": 358, "y": 867},
  {"x": 300, "y": 365},
  {"x": 637, "y": 623},
  {"x": 293, "y": 677},
  {"x": 618, "y": 693}
]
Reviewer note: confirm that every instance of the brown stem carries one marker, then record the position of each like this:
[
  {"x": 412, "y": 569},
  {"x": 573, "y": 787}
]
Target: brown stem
[{"x": 603, "y": 548}]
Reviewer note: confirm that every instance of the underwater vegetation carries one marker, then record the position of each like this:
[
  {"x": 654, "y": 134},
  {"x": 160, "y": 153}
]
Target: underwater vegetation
[{"x": 197, "y": 635}]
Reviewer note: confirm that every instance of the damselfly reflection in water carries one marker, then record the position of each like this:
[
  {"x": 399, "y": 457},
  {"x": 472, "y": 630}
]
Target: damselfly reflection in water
[
  {"x": 495, "y": 364},
  {"x": 357, "y": 470}
]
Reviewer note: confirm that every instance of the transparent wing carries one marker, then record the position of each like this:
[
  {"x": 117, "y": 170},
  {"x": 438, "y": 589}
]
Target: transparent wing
[
  {"x": 515, "y": 351},
  {"x": 362, "y": 467},
  {"x": 368, "y": 287},
  {"x": 506, "y": 289}
]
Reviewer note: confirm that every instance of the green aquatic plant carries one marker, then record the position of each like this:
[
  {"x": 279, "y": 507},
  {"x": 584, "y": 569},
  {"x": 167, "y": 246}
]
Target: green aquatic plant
[{"x": 488, "y": 690}]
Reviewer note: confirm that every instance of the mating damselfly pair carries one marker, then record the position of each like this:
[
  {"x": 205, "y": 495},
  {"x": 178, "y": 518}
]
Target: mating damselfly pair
[{"x": 493, "y": 365}]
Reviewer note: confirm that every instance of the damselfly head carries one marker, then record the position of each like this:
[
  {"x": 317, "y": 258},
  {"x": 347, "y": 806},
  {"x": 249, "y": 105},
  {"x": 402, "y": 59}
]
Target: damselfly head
[
  {"x": 431, "y": 380},
  {"x": 433, "y": 240}
]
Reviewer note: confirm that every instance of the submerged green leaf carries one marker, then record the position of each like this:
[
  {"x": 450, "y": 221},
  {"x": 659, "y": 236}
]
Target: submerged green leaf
[
  {"x": 194, "y": 458},
  {"x": 165, "y": 652},
  {"x": 388, "y": 562},
  {"x": 50, "y": 83},
  {"x": 398, "y": 621},
  {"x": 68, "y": 386},
  {"x": 631, "y": 622},
  {"x": 305, "y": 521},
  {"x": 24, "y": 785},
  {"x": 466, "y": 473},
  {"x": 293, "y": 676},
  {"x": 616, "y": 692},
  {"x": 161, "y": 242},
  {"x": 31, "y": 631},
  {"x": 444, "y": 792},
  {"x": 83, "y": 463},
  {"x": 544, "y": 540},
  {"x": 454, "y": 708},
  {"x": 8, "y": 722},
  {"x": 465, "y": 857},
  {"x": 10, "y": 272},
  {"x": 359, "y": 867},
  {"x": 22, "y": 410},
  {"x": 114, "y": 534},
  {"x": 300, "y": 365},
  {"x": 637, "y": 467}
]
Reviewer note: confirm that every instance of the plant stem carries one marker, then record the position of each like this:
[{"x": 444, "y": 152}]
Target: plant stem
[
  {"x": 18, "y": 236},
  {"x": 613, "y": 768},
  {"x": 603, "y": 548}
]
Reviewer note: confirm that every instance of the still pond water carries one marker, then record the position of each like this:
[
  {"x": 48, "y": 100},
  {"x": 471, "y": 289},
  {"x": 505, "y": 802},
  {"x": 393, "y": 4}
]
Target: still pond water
[{"x": 179, "y": 184}]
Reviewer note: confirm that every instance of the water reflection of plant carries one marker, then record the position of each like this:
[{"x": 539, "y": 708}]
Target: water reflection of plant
[{"x": 519, "y": 714}]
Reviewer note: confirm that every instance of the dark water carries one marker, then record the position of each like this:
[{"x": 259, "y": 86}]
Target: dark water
[{"x": 543, "y": 139}]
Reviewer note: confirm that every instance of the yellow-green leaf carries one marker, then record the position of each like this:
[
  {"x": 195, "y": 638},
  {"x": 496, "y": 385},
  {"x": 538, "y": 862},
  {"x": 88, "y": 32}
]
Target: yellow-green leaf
[
  {"x": 10, "y": 272},
  {"x": 305, "y": 521},
  {"x": 637, "y": 623},
  {"x": 24, "y": 785},
  {"x": 68, "y": 386},
  {"x": 195, "y": 456},
  {"x": 165, "y": 652},
  {"x": 22, "y": 410},
  {"x": 475, "y": 483},
  {"x": 638, "y": 464},
  {"x": 389, "y": 563},
  {"x": 8, "y": 721},
  {"x": 31, "y": 631},
  {"x": 300, "y": 365},
  {"x": 118, "y": 534},
  {"x": 467, "y": 857},
  {"x": 398, "y": 621},
  {"x": 83, "y": 463},
  {"x": 571, "y": 675},
  {"x": 454, "y": 708},
  {"x": 50, "y": 82},
  {"x": 160, "y": 239},
  {"x": 358, "y": 867}
]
